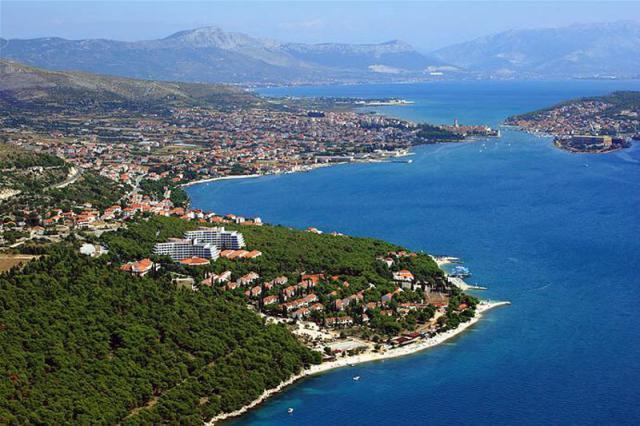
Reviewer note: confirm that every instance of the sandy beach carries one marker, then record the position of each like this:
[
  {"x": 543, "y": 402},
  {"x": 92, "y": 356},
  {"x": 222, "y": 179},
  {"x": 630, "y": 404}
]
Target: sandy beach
[
  {"x": 305, "y": 168},
  {"x": 421, "y": 345},
  {"x": 195, "y": 182}
]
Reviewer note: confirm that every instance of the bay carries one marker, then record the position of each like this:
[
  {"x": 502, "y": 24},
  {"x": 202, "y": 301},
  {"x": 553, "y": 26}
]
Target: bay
[{"x": 555, "y": 233}]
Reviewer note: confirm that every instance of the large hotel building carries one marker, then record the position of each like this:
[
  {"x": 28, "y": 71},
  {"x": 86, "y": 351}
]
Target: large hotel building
[
  {"x": 204, "y": 242},
  {"x": 179, "y": 249},
  {"x": 227, "y": 240}
]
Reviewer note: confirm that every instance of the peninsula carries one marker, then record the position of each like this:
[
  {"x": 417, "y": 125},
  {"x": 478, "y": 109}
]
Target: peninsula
[
  {"x": 121, "y": 304},
  {"x": 593, "y": 125}
]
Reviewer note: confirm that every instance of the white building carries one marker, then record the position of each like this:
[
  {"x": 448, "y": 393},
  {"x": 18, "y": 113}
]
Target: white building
[
  {"x": 179, "y": 249},
  {"x": 217, "y": 236}
]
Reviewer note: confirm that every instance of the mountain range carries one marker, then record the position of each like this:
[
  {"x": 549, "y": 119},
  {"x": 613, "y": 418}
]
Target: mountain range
[
  {"x": 576, "y": 51},
  {"x": 211, "y": 55}
]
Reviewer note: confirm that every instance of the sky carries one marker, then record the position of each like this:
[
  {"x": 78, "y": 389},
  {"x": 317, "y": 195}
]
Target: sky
[{"x": 426, "y": 25}]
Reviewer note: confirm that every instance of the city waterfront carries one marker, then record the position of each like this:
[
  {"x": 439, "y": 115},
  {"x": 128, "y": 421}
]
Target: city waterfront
[{"x": 553, "y": 232}]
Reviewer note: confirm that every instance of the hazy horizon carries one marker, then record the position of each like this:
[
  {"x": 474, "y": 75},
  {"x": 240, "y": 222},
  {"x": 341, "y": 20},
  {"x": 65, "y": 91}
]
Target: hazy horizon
[{"x": 425, "y": 25}]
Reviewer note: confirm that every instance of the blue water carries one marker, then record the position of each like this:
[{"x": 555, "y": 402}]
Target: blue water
[{"x": 536, "y": 225}]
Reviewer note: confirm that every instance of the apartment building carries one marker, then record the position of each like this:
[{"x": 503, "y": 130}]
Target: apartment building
[
  {"x": 217, "y": 236},
  {"x": 179, "y": 249}
]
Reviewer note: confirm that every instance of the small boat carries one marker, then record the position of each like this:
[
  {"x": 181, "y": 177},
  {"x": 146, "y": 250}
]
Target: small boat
[
  {"x": 356, "y": 378},
  {"x": 290, "y": 410}
]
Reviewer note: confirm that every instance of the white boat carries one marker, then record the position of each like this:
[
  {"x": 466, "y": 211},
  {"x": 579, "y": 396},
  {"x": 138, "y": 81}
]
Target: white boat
[
  {"x": 290, "y": 410},
  {"x": 356, "y": 378}
]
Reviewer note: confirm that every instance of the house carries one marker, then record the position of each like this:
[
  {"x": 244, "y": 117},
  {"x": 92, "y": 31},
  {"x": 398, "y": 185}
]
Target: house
[
  {"x": 313, "y": 278},
  {"x": 211, "y": 278},
  {"x": 338, "y": 321},
  {"x": 269, "y": 300},
  {"x": 317, "y": 307},
  {"x": 289, "y": 291},
  {"x": 253, "y": 254},
  {"x": 300, "y": 313},
  {"x": 140, "y": 268},
  {"x": 92, "y": 250},
  {"x": 387, "y": 261},
  {"x": 310, "y": 298},
  {"x": 256, "y": 291},
  {"x": 282, "y": 280},
  {"x": 247, "y": 279},
  {"x": 403, "y": 276}
]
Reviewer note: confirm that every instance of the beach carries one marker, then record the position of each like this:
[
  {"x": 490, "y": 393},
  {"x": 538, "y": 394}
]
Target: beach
[
  {"x": 348, "y": 361},
  {"x": 195, "y": 182}
]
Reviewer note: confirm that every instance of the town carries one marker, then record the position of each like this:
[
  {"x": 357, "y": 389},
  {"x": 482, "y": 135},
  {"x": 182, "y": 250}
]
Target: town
[{"x": 600, "y": 124}]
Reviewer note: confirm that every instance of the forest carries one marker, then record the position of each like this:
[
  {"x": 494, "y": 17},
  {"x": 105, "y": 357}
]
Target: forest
[
  {"x": 82, "y": 342},
  {"x": 292, "y": 252}
]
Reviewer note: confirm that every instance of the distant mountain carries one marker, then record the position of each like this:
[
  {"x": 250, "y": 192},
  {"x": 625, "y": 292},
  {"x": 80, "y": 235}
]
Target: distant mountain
[
  {"x": 585, "y": 50},
  {"x": 23, "y": 86},
  {"x": 211, "y": 55},
  {"x": 394, "y": 57}
]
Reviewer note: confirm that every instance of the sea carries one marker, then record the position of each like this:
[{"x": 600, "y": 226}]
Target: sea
[{"x": 555, "y": 233}]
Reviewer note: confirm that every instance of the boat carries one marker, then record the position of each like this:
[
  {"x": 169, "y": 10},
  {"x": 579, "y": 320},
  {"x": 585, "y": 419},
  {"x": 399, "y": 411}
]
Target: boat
[
  {"x": 356, "y": 378},
  {"x": 290, "y": 410}
]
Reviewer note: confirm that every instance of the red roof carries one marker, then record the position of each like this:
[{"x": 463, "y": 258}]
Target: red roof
[{"x": 195, "y": 261}]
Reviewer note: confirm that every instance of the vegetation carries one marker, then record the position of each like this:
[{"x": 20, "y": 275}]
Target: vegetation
[
  {"x": 27, "y": 171},
  {"x": 285, "y": 250},
  {"x": 34, "y": 177},
  {"x": 429, "y": 133},
  {"x": 33, "y": 89},
  {"x": 156, "y": 189},
  {"x": 291, "y": 253},
  {"x": 82, "y": 342},
  {"x": 619, "y": 101}
]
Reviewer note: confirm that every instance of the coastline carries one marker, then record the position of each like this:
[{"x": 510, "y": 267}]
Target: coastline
[
  {"x": 422, "y": 345},
  {"x": 195, "y": 182},
  {"x": 306, "y": 168}
]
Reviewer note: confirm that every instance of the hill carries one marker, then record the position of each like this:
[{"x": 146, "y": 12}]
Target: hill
[
  {"x": 22, "y": 86},
  {"x": 32, "y": 183},
  {"x": 576, "y": 51},
  {"x": 211, "y": 55},
  {"x": 84, "y": 343}
]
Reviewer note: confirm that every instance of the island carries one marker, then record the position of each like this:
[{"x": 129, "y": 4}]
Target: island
[
  {"x": 121, "y": 304},
  {"x": 591, "y": 125}
]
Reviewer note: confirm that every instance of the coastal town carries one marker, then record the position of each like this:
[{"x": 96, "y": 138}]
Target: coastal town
[
  {"x": 600, "y": 124},
  {"x": 323, "y": 307},
  {"x": 104, "y": 191}
]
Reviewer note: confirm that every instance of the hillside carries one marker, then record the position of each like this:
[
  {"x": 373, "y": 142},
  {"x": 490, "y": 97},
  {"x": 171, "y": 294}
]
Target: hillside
[
  {"x": 577, "y": 51},
  {"x": 29, "y": 87},
  {"x": 211, "y": 55},
  {"x": 84, "y": 343},
  {"x": 138, "y": 350},
  {"x": 615, "y": 105},
  {"x": 31, "y": 183}
]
